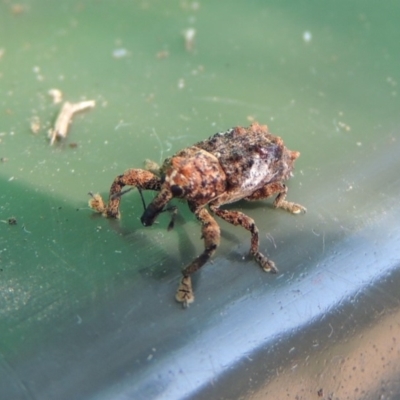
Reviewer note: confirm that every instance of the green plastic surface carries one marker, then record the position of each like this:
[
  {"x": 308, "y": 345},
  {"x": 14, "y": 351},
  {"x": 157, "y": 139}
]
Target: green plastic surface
[{"x": 87, "y": 306}]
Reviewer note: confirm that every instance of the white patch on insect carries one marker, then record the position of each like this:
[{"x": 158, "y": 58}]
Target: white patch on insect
[{"x": 259, "y": 173}]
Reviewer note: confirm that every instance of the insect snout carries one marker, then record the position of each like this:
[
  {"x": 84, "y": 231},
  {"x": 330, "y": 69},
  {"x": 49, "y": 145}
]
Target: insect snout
[{"x": 149, "y": 216}]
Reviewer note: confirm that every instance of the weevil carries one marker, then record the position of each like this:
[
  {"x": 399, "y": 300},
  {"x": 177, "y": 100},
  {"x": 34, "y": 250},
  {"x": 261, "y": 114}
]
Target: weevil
[{"x": 239, "y": 164}]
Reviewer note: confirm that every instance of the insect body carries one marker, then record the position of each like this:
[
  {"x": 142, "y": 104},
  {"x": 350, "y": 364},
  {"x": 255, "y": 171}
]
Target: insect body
[{"x": 241, "y": 163}]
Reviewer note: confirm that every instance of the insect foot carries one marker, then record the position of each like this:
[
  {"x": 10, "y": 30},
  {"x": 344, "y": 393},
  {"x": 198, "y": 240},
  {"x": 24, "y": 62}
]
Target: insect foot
[
  {"x": 184, "y": 294},
  {"x": 297, "y": 208},
  {"x": 266, "y": 264},
  {"x": 96, "y": 203},
  {"x": 292, "y": 207}
]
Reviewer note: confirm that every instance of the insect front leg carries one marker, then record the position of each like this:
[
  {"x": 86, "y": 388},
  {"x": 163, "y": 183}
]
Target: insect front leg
[
  {"x": 211, "y": 235},
  {"x": 238, "y": 218},
  {"x": 139, "y": 178}
]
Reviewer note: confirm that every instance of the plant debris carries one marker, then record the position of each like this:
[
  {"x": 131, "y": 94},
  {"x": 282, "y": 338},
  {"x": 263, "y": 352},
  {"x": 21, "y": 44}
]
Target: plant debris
[{"x": 64, "y": 118}]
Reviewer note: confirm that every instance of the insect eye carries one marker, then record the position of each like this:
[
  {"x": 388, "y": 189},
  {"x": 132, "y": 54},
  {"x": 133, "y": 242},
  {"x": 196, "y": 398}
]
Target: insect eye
[{"x": 176, "y": 190}]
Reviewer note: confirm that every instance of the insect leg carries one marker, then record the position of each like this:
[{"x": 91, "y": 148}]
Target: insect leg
[
  {"x": 172, "y": 209},
  {"x": 238, "y": 218},
  {"x": 211, "y": 235},
  {"x": 174, "y": 212},
  {"x": 280, "y": 200},
  {"x": 143, "y": 180}
]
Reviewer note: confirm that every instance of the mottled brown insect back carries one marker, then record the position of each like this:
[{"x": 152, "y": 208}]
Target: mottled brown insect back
[{"x": 241, "y": 163}]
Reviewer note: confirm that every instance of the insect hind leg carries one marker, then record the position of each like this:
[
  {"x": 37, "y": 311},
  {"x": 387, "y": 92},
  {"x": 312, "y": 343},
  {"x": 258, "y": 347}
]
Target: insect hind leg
[{"x": 280, "y": 201}]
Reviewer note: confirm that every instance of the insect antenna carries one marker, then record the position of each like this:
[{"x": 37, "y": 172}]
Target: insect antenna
[
  {"x": 141, "y": 196},
  {"x": 119, "y": 194}
]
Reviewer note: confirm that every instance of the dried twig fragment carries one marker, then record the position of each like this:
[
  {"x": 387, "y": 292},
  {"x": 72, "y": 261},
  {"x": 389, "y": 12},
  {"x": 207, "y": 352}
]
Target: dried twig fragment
[{"x": 64, "y": 118}]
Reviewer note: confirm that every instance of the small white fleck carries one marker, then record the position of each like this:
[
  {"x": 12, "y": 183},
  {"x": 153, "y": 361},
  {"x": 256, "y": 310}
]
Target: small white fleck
[
  {"x": 120, "y": 53},
  {"x": 181, "y": 83},
  {"x": 189, "y": 35},
  {"x": 56, "y": 95},
  {"x": 307, "y": 36}
]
